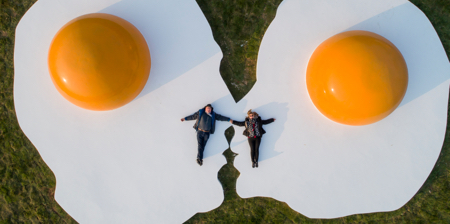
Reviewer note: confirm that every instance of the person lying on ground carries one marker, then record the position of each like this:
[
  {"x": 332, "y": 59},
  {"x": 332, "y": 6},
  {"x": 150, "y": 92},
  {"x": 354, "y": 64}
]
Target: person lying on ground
[
  {"x": 254, "y": 131},
  {"x": 204, "y": 125}
]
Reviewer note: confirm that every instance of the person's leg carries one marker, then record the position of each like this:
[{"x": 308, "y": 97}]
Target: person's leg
[
  {"x": 205, "y": 140},
  {"x": 201, "y": 144},
  {"x": 257, "y": 143},
  {"x": 202, "y": 138},
  {"x": 251, "y": 142}
]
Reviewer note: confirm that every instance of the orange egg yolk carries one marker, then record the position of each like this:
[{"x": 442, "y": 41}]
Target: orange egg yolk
[
  {"x": 99, "y": 61},
  {"x": 356, "y": 78}
]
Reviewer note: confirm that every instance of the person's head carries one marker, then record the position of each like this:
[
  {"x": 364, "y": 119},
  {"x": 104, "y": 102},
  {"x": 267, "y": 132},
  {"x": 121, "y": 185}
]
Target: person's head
[
  {"x": 208, "y": 108},
  {"x": 252, "y": 114}
]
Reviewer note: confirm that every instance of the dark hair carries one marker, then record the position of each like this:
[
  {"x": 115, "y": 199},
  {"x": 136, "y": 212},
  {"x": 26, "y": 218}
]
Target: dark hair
[{"x": 209, "y": 105}]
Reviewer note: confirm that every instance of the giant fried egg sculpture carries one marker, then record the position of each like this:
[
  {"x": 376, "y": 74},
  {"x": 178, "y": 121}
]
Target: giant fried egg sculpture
[
  {"x": 136, "y": 163},
  {"x": 325, "y": 169}
]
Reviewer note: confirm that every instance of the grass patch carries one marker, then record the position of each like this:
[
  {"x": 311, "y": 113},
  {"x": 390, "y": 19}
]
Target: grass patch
[
  {"x": 27, "y": 185},
  {"x": 238, "y": 27}
]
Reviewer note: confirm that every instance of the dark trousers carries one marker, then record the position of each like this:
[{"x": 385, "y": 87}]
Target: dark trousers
[
  {"x": 254, "y": 148},
  {"x": 202, "y": 138}
]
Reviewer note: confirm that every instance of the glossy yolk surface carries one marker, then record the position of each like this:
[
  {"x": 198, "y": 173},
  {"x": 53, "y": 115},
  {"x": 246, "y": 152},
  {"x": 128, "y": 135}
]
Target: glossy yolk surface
[
  {"x": 356, "y": 78},
  {"x": 99, "y": 61}
]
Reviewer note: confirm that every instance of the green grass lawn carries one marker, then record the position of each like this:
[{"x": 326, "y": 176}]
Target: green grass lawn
[{"x": 27, "y": 185}]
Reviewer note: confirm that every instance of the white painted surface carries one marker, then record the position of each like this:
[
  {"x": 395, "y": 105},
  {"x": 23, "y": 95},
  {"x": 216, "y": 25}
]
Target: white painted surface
[
  {"x": 324, "y": 169},
  {"x": 137, "y": 164}
]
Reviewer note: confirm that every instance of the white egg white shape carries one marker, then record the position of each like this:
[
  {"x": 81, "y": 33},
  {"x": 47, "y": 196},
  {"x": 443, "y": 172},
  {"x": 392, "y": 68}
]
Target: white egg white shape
[
  {"x": 323, "y": 169},
  {"x": 135, "y": 164}
]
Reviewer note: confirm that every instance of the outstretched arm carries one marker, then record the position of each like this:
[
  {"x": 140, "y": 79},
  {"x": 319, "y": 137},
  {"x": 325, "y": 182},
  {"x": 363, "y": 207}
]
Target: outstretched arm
[
  {"x": 268, "y": 121},
  {"x": 222, "y": 118},
  {"x": 239, "y": 123},
  {"x": 190, "y": 117}
]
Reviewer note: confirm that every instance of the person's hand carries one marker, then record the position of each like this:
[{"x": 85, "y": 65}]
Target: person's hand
[
  {"x": 231, "y": 121},
  {"x": 274, "y": 119},
  {"x": 182, "y": 119}
]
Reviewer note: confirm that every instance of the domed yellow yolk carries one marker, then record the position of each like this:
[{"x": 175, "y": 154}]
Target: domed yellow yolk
[
  {"x": 99, "y": 61},
  {"x": 356, "y": 78}
]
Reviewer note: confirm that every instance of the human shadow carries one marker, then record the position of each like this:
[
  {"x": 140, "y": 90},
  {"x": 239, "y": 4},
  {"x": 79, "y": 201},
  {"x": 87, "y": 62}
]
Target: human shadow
[
  {"x": 178, "y": 39},
  {"x": 423, "y": 51},
  {"x": 273, "y": 131}
]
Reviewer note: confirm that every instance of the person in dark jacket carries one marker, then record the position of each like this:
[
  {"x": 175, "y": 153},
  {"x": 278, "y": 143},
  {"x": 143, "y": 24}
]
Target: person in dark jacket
[
  {"x": 254, "y": 131},
  {"x": 205, "y": 125}
]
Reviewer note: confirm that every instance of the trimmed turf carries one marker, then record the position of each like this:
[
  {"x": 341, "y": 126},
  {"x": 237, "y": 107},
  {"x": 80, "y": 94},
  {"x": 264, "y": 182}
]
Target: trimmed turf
[
  {"x": 27, "y": 185},
  {"x": 238, "y": 27}
]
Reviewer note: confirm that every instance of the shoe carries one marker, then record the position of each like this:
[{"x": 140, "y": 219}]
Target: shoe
[
  {"x": 199, "y": 162},
  {"x": 256, "y": 164},
  {"x": 253, "y": 165}
]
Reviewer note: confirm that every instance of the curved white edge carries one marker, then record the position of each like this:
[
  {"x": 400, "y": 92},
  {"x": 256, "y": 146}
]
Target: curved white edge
[
  {"x": 135, "y": 164},
  {"x": 327, "y": 170},
  {"x": 320, "y": 168}
]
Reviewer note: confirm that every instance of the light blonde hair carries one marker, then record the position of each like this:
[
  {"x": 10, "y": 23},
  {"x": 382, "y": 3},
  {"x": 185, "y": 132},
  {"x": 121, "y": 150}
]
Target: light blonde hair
[{"x": 252, "y": 112}]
